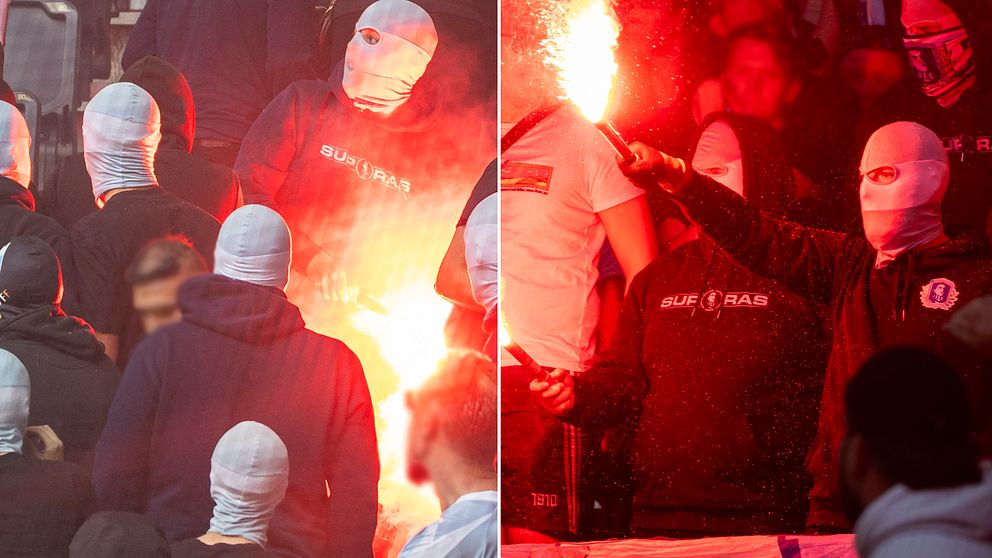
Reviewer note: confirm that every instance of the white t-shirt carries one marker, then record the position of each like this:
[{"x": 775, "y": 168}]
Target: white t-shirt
[{"x": 553, "y": 182}]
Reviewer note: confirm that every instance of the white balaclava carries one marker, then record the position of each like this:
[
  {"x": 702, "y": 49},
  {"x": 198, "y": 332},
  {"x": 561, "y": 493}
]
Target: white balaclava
[
  {"x": 379, "y": 76},
  {"x": 902, "y": 211},
  {"x": 254, "y": 245},
  {"x": 718, "y": 156},
  {"x": 121, "y": 132},
  {"x": 938, "y": 48},
  {"x": 15, "y": 397},
  {"x": 249, "y": 472},
  {"x": 15, "y": 145},
  {"x": 482, "y": 252}
]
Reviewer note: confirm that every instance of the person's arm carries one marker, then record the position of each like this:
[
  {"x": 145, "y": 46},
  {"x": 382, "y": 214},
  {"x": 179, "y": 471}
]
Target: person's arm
[
  {"x": 452, "y": 282},
  {"x": 143, "y": 39},
  {"x": 291, "y": 41},
  {"x": 122, "y": 452},
  {"x": 631, "y": 234},
  {"x": 269, "y": 149},
  {"x": 98, "y": 289},
  {"x": 352, "y": 464}
]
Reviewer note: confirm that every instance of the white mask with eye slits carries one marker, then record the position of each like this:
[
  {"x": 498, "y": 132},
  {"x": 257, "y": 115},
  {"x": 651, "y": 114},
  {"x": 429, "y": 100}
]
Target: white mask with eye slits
[
  {"x": 904, "y": 176},
  {"x": 718, "y": 156}
]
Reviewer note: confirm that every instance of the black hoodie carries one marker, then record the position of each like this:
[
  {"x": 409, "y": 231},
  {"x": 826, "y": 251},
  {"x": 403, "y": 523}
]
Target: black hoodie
[
  {"x": 210, "y": 187},
  {"x": 242, "y": 353},
  {"x": 906, "y": 302}
]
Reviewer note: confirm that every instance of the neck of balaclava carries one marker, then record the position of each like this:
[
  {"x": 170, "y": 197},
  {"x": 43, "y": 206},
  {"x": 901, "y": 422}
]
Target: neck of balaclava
[
  {"x": 952, "y": 96},
  {"x": 895, "y": 232},
  {"x": 121, "y": 170},
  {"x": 248, "y": 519}
]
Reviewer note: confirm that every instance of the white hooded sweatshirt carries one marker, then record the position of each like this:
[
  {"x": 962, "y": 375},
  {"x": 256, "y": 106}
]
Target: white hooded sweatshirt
[{"x": 944, "y": 523}]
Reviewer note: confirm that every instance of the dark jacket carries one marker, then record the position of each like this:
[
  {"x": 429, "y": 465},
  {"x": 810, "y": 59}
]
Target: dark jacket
[
  {"x": 18, "y": 218},
  {"x": 42, "y": 503},
  {"x": 195, "y": 549},
  {"x": 72, "y": 380},
  {"x": 722, "y": 371},
  {"x": 104, "y": 245},
  {"x": 242, "y": 353},
  {"x": 870, "y": 309},
  {"x": 210, "y": 187},
  {"x": 236, "y": 54}
]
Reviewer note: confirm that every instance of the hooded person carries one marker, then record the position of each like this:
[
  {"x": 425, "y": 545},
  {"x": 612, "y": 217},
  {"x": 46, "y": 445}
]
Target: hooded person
[
  {"x": 74, "y": 381},
  {"x": 111, "y": 534},
  {"x": 370, "y": 145},
  {"x": 897, "y": 283},
  {"x": 44, "y": 502},
  {"x": 249, "y": 473},
  {"x": 121, "y": 133},
  {"x": 210, "y": 187},
  {"x": 238, "y": 323}
]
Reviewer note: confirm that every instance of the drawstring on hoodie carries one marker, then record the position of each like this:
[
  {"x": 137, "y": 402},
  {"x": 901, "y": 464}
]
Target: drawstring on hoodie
[{"x": 904, "y": 280}]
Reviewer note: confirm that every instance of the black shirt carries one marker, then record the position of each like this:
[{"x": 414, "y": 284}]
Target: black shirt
[
  {"x": 193, "y": 548},
  {"x": 104, "y": 244},
  {"x": 42, "y": 503}
]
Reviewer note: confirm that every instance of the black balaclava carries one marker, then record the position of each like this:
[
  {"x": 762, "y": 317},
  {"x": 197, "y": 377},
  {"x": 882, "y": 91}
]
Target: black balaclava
[{"x": 30, "y": 276}]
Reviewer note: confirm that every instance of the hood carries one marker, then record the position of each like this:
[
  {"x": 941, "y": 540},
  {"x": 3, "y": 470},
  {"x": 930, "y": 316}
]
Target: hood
[
  {"x": 238, "y": 309},
  {"x": 30, "y": 276},
  {"x": 963, "y": 512},
  {"x": 415, "y": 115},
  {"x": 51, "y": 327},
  {"x": 15, "y": 397},
  {"x": 15, "y": 145},
  {"x": 167, "y": 85},
  {"x": 767, "y": 174},
  {"x": 115, "y": 534},
  {"x": 13, "y": 193}
]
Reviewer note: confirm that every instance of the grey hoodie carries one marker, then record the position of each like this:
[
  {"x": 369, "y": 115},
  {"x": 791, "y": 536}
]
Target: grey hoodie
[{"x": 946, "y": 523}]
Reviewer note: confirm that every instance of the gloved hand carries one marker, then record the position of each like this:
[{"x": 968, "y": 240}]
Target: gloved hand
[
  {"x": 653, "y": 166},
  {"x": 330, "y": 279},
  {"x": 42, "y": 443},
  {"x": 556, "y": 393}
]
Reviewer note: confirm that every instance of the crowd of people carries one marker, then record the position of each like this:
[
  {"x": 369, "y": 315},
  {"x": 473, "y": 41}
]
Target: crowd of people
[
  {"x": 160, "y": 394},
  {"x": 804, "y": 240}
]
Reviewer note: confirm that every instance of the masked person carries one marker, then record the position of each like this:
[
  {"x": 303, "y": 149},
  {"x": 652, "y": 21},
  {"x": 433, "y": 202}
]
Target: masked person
[
  {"x": 371, "y": 146},
  {"x": 249, "y": 473},
  {"x": 44, "y": 502},
  {"x": 236, "y": 55},
  {"x": 210, "y": 187},
  {"x": 265, "y": 366},
  {"x": 452, "y": 443},
  {"x": 909, "y": 467},
  {"x": 898, "y": 284},
  {"x": 121, "y": 133},
  {"x": 74, "y": 381},
  {"x": 718, "y": 370}
]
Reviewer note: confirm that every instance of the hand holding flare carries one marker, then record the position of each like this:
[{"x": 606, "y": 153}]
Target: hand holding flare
[{"x": 554, "y": 388}]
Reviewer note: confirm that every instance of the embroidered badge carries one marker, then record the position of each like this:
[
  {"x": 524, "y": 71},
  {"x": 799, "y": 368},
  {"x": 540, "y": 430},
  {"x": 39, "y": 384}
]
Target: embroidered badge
[{"x": 939, "y": 294}]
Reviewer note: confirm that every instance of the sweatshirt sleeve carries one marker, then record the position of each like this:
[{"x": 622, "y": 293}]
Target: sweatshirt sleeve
[
  {"x": 352, "y": 465},
  {"x": 803, "y": 259},
  {"x": 291, "y": 42},
  {"x": 122, "y": 452},
  {"x": 611, "y": 392},
  {"x": 143, "y": 39}
]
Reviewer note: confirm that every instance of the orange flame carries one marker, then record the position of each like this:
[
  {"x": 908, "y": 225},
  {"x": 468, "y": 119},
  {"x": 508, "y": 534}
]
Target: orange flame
[{"x": 582, "y": 51}]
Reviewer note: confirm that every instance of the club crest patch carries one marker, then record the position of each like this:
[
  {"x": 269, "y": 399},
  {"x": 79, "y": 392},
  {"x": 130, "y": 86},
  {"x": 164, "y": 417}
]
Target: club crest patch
[{"x": 939, "y": 294}]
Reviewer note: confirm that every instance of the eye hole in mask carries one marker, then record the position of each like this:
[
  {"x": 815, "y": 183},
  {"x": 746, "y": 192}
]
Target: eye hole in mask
[
  {"x": 883, "y": 175},
  {"x": 371, "y": 36},
  {"x": 714, "y": 171}
]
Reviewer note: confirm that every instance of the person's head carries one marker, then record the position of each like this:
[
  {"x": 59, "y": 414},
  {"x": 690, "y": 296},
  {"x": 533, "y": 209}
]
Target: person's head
[
  {"x": 15, "y": 145},
  {"x": 121, "y": 133},
  {"x": 249, "y": 473},
  {"x": 254, "y": 245},
  {"x": 732, "y": 15},
  {"x": 155, "y": 275},
  {"x": 15, "y": 399},
  {"x": 718, "y": 155},
  {"x": 908, "y": 422},
  {"x": 904, "y": 174},
  {"x": 939, "y": 49},
  {"x": 117, "y": 534},
  {"x": 761, "y": 74},
  {"x": 453, "y": 420},
  {"x": 30, "y": 276},
  {"x": 168, "y": 86},
  {"x": 393, "y": 43}
]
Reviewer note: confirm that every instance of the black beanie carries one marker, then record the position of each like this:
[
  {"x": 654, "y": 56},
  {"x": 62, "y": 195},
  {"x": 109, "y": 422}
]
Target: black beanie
[
  {"x": 30, "y": 275},
  {"x": 114, "y": 534}
]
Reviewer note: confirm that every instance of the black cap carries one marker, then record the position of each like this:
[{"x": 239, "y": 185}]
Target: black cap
[
  {"x": 30, "y": 274},
  {"x": 114, "y": 534}
]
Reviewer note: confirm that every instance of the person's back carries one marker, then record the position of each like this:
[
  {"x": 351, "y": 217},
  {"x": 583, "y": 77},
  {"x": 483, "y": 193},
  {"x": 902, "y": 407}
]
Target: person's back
[
  {"x": 74, "y": 381},
  {"x": 236, "y": 54},
  {"x": 43, "y": 502},
  {"x": 242, "y": 353}
]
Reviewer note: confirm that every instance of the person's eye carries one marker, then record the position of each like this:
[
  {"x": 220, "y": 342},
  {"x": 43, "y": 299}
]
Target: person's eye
[
  {"x": 718, "y": 170},
  {"x": 882, "y": 175},
  {"x": 371, "y": 36}
]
